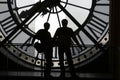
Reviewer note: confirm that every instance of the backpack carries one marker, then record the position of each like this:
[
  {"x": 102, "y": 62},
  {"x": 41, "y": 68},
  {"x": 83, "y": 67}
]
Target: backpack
[{"x": 39, "y": 47}]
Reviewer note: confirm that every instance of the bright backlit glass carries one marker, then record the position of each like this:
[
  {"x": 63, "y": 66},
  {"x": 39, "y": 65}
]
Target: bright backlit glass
[{"x": 77, "y": 8}]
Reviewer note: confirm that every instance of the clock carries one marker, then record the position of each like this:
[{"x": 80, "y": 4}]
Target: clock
[{"x": 21, "y": 19}]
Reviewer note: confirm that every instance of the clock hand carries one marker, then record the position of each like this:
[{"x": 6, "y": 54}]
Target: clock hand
[
  {"x": 70, "y": 16},
  {"x": 40, "y": 6},
  {"x": 80, "y": 26}
]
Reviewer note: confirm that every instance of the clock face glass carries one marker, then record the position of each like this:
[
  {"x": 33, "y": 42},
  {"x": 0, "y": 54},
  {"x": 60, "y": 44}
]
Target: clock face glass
[{"x": 89, "y": 20}]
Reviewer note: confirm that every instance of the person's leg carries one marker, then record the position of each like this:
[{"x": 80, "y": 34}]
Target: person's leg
[
  {"x": 61, "y": 59},
  {"x": 70, "y": 61},
  {"x": 48, "y": 57}
]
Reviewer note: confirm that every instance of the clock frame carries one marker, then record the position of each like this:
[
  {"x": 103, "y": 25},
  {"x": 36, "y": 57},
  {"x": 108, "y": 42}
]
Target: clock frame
[{"x": 95, "y": 29}]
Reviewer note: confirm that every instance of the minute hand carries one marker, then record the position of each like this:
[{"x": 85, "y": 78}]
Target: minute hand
[{"x": 40, "y": 6}]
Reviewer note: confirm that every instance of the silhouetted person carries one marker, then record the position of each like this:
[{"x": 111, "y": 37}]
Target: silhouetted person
[
  {"x": 45, "y": 38},
  {"x": 63, "y": 36}
]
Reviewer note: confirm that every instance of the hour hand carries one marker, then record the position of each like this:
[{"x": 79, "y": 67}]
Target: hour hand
[{"x": 35, "y": 8}]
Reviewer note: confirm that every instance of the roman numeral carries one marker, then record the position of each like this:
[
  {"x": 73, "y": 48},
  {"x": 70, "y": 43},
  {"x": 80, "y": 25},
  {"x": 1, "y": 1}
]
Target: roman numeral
[
  {"x": 100, "y": 5},
  {"x": 3, "y": 6},
  {"x": 103, "y": 3},
  {"x": 5, "y": 2},
  {"x": 106, "y": 14},
  {"x": 26, "y": 43},
  {"x": 101, "y": 0},
  {"x": 97, "y": 26},
  {"x": 82, "y": 43},
  {"x": 97, "y": 0},
  {"x": 8, "y": 25},
  {"x": 22, "y": 40},
  {"x": 4, "y": 11},
  {"x": 75, "y": 48}
]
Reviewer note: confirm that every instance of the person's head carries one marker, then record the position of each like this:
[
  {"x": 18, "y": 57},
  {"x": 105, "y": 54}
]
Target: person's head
[
  {"x": 64, "y": 22},
  {"x": 46, "y": 26}
]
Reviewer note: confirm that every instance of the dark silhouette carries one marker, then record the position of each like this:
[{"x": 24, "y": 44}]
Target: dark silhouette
[
  {"x": 45, "y": 38},
  {"x": 63, "y": 37}
]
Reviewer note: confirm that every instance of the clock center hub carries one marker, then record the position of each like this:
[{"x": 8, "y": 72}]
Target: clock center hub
[{"x": 53, "y": 5}]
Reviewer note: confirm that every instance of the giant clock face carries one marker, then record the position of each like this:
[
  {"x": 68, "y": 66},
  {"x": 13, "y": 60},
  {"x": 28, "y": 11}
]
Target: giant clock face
[{"x": 21, "y": 19}]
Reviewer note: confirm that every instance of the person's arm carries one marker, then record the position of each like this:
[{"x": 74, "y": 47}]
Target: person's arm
[
  {"x": 33, "y": 40},
  {"x": 56, "y": 34},
  {"x": 55, "y": 38},
  {"x": 34, "y": 37}
]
